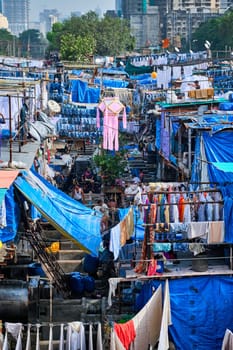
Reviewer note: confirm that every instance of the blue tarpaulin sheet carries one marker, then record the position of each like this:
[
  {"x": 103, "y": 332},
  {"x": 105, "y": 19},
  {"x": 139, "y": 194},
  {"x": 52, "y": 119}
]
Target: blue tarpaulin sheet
[
  {"x": 111, "y": 83},
  {"x": 201, "y": 310},
  {"x": 218, "y": 149},
  {"x": 223, "y": 166},
  {"x": 82, "y": 93},
  {"x": 71, "y": 218},
  {"x": 9, "y": 232}
]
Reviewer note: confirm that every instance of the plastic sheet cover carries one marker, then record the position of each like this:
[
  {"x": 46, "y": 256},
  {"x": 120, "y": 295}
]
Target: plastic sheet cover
[
  {"x": 201, "y": 310},
  {"x": 218, "y": 148},
  {"x": 9, "y": 233},
  {"x": 71, "y": 218},
  {"x": 82, "y": 93}
]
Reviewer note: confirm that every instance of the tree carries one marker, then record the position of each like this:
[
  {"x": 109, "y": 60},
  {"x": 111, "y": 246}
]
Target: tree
[
  {"x": 113, "y": 37},
  {"x": 32, "y": 43},
  {"x": 111, "y": 166},
  {"x": 218, "y": 31},
  {"x": 107, "y": 36},
  {"x": 77, "y": 48},
  {"x": 6, "y": 42}
]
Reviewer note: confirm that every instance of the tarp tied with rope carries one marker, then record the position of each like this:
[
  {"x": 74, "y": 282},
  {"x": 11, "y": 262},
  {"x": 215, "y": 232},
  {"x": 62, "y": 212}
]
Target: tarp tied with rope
[{"x": 73, "y": 219}]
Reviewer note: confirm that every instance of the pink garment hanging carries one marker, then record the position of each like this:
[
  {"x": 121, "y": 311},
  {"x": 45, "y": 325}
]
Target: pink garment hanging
[{"x": 111, "y": 108}]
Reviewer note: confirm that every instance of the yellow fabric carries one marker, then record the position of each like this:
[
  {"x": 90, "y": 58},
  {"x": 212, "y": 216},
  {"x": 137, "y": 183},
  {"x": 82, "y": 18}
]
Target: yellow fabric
[{"x": 53, "y": 248}]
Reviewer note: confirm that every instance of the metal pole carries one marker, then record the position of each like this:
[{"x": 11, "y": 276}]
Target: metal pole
[
  {"x": 189, "y": 150},
  {"x": 10, "y": 128},
  {"x": 51, "y": 301}
]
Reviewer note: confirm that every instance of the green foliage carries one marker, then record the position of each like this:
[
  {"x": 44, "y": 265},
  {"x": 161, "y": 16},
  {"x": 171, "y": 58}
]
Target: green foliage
[
  {"x": 106, "y": 37},
  {"x": 218, "y": 31},
  {"x": 77, "y": 48},
  {"x": 6, "y": 42},
  {"x": 111, "y": 166},
  {"x": 32, "y": 43}
]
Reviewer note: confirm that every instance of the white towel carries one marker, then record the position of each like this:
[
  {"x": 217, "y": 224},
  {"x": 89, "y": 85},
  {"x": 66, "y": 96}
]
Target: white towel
[
  {"x": 99, "y": 342},
  {"x": 61, "y": 343},
  {"x": 28, "y": 343},
  {"x": 147, "y": 322},
  {"x": 227, "y": 343},
  {"x": 115, "y": 241},
  {"x": 38, "y": 337},
  {"x": 50, "y": 337},
  {"x": 166, "y": 320},
  {"x": 90, "y": 347},
  {"x": 76, "y": 338},
  {"x": 5, "y": 343},
  {"x": 113, "y": 282}
]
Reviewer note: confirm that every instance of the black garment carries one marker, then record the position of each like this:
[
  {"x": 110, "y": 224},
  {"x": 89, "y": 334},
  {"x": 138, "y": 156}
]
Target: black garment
[{"x": 23, "y": 122}]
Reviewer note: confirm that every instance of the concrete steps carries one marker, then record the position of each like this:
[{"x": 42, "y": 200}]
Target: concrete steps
[
  {"x": 71, "y": 260},
  {"x": 71, "y": 254},
  {"x": 71, "y": 265}
]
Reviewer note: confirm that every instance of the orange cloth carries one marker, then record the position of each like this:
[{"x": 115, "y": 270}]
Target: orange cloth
[
  {"x": 181, "y": 207},
  {"x": 153, "y": 210},
  {"x": 124, "y": 235},
  {"x": 125, "y": 332}
]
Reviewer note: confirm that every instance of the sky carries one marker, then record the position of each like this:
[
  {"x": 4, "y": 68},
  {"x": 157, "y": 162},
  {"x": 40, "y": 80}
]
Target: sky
[{"x": 65, "y": 7}]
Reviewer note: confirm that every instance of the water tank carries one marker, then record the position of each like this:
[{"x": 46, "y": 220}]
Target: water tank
[{"x": 13, "y": 301}]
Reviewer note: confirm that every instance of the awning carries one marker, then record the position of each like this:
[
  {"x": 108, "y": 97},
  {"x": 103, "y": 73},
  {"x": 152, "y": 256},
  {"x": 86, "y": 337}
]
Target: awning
[
  {"x": 73, "y": 219},
  {"x": 7, "y": 177}
]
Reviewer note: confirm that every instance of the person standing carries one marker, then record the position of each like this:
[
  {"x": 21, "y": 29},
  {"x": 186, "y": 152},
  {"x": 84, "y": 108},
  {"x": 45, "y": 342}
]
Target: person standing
[
  {"x": 78, "y": 193},
  {"x": 141, "y": 175},
  {"x": 23, "y": 118}
]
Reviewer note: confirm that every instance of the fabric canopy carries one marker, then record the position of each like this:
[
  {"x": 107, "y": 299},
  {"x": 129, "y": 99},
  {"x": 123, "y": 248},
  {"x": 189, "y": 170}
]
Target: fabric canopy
[
  {"x": 68, "y": 216},
  {"x": 7, "y": 177}
]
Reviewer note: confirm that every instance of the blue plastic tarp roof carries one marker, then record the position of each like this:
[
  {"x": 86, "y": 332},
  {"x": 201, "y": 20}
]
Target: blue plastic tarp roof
[{"x": 71, "y": 218}]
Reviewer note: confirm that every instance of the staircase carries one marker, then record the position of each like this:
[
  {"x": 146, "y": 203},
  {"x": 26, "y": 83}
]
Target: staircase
[
  {"x": 70, "y": 257},
  {"x": 48, "y": 261},
  {"x": 147, "y": 164}
]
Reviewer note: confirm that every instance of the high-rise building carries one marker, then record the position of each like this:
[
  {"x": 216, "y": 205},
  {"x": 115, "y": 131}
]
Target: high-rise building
[
  {"x": 47, "y": 19},
  {"x": 118, "y": 7},
  {"x": 143, "y": 16},
  {"x": 17, "y": 13},
  {"x": 175, "y": 19}
]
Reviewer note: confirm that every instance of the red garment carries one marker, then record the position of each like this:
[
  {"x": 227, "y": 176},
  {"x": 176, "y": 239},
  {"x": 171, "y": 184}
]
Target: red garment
[
  {"x": 152, "y": 268},
  {"x": 48, "y": 155},
  {"x": 125, "y": 332}
]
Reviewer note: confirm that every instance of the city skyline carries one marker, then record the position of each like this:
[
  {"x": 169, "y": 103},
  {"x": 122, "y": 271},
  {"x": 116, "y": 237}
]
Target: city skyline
[{"x": 65, "y": 8}]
